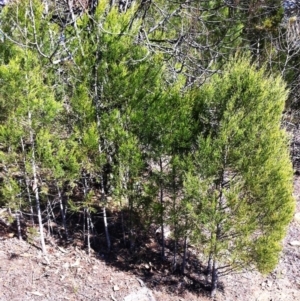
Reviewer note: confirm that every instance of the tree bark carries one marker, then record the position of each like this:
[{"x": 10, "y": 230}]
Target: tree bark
[
  {"x": 83, "y": 225},
  {"x": 131, "y": 231},
  {"x": 88, "y": 230},
  {"x": 27, "y": 183},
  {"x": 97, "y": 102},
  {"x": 209, "y": 264},
  {"x": 18, "y": 225},
  {"x": 35, "y": 189},
  {"x": 106, "y": 229},
  {"x": 123, "y": 228},
  {"x": 175, "y": 255},
  {"x": 184, "y": 254},
  {"x": 62, "y": 212},
  {"x": 161, "y": 196},
  {"x": 214, "y": 279}
]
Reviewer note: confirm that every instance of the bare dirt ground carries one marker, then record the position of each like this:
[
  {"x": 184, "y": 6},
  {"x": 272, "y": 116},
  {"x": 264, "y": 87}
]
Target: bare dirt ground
[{"x": 68, "y": 273}]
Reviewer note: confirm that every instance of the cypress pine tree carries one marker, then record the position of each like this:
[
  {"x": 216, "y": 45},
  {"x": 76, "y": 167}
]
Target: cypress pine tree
[
  {"x": 34, "y": 109},
  {"x": 242, "y": 170}
]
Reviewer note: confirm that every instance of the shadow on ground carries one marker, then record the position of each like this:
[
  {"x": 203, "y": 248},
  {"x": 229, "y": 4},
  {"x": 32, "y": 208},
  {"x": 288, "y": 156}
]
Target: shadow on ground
[{"x": 145, "y": 259}]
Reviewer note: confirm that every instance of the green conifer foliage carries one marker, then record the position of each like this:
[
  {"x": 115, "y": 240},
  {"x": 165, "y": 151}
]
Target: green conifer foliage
[
  {"x": 242, "y": 168},
  {"x": 104, "y": 103},
  {"x": 32, "y": 110}
]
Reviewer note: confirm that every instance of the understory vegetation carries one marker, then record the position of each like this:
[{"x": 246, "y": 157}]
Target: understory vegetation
[{"x": 168, "y": 113}]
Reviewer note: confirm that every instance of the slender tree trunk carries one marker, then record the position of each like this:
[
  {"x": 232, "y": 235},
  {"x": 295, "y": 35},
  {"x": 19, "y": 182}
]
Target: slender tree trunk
[
  {"x": 122, "y": 212},
  {"x": 75, "y": 25},
  {"x": 88, "y": 231},
  {"x": 214, "y": 279},
  {"x": 88, "y": 225},
  {"x": 65, "y": 209},
  {"x": 175, "y": 253},
  {"x": 27, "y": 184},
  {"x": 97, "y": 102},
  {"x": 35, "y": 189},
  {"x": 209, "y": 264},
  {"x": 123, "y": 228},
  {"x": 18, "y": 224},
  {"x": 184, "y": 254},
  {"x": 92, "y": 227},
  {"x": 30, "y": 202},
  {"x": 209, "y": 267},
  {"x": 214, "y": 274},
  {"x": 49, "y": 226},
  {"x": 50, "y": 213},
  {"x": 38, "y": 207},
  {"x": 103, "y": 200},
  {"x": 130, "y": 208},
  {"x": 83, "y": 226},
  {"x": 175, "y": 219},
  {"x": 62, "y": 212},
  {"x": 162, "y": 226},
  {"x": 131, "y": 231},
  {"x": 161, "y": 196},
  {"x": 106, "y": 229}
]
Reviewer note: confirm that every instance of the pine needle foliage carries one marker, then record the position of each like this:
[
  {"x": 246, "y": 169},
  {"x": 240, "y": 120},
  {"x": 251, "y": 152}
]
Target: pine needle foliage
[{"x": 241, "y": 181}]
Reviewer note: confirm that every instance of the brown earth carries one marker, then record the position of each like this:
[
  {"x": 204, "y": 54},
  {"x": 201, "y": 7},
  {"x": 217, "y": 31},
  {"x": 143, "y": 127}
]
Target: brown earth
[{"x": 68, "y": 273}]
